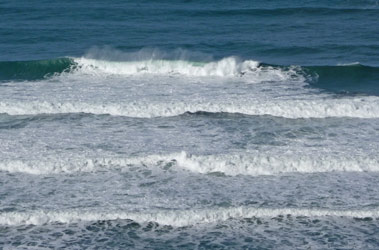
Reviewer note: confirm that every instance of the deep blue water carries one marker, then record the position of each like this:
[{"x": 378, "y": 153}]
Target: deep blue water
[
  {"x": 189, "y": 124},
  {"x": 286, "y": 32}
]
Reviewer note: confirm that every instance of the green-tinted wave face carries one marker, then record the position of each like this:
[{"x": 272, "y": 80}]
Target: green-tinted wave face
[
  {"x": 350, "y": 79},
  {"x": 33, "y": 70},
  {"x": 345, "y": 79}
]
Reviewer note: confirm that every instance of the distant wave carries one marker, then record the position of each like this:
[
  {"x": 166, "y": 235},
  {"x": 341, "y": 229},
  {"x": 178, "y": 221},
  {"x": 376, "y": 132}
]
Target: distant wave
[
  {"x": 234, "y": 164},
  {"x": 177, "y": 218}
]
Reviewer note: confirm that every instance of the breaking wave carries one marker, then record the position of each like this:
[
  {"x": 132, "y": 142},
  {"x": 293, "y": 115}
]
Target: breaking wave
[
  {"x": 226, "y": 67},
  {"x": 346, "y": 78}
]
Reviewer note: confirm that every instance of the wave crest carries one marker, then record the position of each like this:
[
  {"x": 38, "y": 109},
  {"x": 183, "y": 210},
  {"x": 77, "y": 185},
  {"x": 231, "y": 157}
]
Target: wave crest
[{"x": 229, "y": 66}]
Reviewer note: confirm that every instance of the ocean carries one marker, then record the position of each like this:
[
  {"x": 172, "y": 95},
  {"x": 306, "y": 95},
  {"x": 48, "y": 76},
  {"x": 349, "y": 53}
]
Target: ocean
[{"x": 189, "y": 124}]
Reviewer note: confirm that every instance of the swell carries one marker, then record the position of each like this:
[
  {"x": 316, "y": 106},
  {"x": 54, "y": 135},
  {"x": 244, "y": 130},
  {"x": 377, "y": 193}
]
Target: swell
[
  {"x": 33, "y": 70},
  {"x": 270, "y": 12},
  {"x": 176, "y": 218},
  {"x": 352, "y": 79},
  {"x": 234, "y": 164}
]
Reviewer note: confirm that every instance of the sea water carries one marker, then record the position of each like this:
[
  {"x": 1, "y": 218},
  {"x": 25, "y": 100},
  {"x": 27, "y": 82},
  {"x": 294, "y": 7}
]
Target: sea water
[{"x": 189, "y": 124}]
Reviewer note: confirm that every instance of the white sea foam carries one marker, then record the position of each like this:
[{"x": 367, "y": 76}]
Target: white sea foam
[
  {"x": 229, "y": 66},
  {"x": 251, "y": 70},
  {"x": 360, "y": 107},
  {"x": 177, "y": 218},
  {"x": 246, "y": 164}
]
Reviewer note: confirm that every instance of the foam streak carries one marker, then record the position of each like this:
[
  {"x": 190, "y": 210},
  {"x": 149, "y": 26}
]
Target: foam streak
[
  {"x": 363, "y": 107},
  {"x": 232, "y": 165},
  {"x": 174, "y": 218}
]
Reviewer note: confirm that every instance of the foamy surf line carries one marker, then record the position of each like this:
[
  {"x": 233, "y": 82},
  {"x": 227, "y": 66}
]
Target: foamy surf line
[
  {"x": 359, "y": 107},
  {"x": 231, "y": 165},
  {"x": 229, "y": 66},
  {"x": 226, "y": 67},
  {"x": 97, "y": 66},
  {"x": 176, "y": 218}
]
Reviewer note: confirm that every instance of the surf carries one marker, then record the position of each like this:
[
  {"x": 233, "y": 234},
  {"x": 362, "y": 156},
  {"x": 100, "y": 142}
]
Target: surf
[
  {"x": 176, "y": 218},
  {"x": 359, "y": 107},
  {"x": 253, "y": 164}
]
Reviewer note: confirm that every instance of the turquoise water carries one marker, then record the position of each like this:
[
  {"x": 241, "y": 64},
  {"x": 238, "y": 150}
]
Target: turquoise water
[{"x": 189, "y": 124}]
